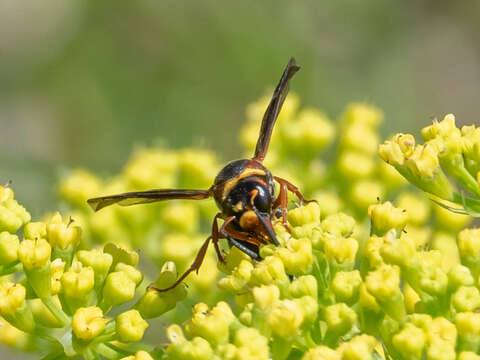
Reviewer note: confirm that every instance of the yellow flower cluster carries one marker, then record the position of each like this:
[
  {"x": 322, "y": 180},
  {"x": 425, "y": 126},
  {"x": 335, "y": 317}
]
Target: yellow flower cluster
[
  {"x": 447, "y": 151},
  {"x": 355, "y": 277}
]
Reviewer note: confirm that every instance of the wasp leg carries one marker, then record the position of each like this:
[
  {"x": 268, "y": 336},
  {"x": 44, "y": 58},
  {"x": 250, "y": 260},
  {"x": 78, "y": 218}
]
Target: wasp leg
[
  {"x": 281, "y": 201},
  {"x": 194, "y": 267},
  {"x": 238, "y": 244},
  {"x": 292, "y": 188},
  {"x": 216, "y": 237}
]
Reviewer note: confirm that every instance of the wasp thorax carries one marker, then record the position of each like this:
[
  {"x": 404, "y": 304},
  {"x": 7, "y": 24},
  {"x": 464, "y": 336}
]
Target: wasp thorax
[{"x": 246, "y": 194}]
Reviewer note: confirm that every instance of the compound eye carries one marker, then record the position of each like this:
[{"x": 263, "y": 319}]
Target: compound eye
[{"x": 262, "y": 200}]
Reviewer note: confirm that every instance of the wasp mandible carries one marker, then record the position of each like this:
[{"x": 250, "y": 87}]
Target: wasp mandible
[{"x": 243, "y": 190}]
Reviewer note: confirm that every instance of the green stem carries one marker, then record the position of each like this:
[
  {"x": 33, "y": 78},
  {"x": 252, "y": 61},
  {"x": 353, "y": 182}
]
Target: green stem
[
  {"x": 59, "y": 314},
  {"x": 11, "y": 269},
  {"x": 106, "y": 351}
]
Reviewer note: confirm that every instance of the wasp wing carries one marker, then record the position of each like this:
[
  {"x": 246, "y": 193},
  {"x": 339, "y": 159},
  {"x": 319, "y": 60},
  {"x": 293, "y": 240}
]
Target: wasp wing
[
  {"x": 273, "y": 110},
  {"x": 143, "y": 197}
]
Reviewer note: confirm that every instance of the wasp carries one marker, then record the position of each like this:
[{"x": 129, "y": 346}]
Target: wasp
[{"x": 244, "y": 191}]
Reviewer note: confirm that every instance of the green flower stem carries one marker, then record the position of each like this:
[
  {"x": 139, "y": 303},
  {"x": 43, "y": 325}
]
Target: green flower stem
[
  {"x": 281, "y": 348},
  {"x": 59, "y": 314},
  {"x": 11, "y": 269},
  {"x": 65, "y": 254},
  {"x": 456, "y": 168},
  {"x": 107, "y": 352}
]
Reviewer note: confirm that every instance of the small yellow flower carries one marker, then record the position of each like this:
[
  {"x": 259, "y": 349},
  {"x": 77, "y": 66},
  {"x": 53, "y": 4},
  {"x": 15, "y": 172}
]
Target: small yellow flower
[
  {"x": 410, "y": 341},
  {"x": 385, "y": 217},
  {"x": 130, "y": 326},
  {"x": 212, "y": 324},
  {"x": 34, "y": 253},
  {"x": 8, "y": 248},
  {"x": 322, "y": 353},
  {"x": 119, "y": 288},
  {"x": 12, "y": 297},
  {"x": 466, "y": 298},
  {"x": 359, "y": 348},
  {"x": 285, "y": 318},
  {"x": 441, "y": 330},
  {"x": 78, "y": 281},
  {"x": 269, "y": 271},
  {"x": 62, "y": 234},
  {"x": 346, "y": 285},
  {"x": 88, "y": 322},
  {"x": 441, "y": 351},
  {"x": 265, "y": 296},
  {"x": 340, "y": 318},
  {"x": 35, "y": 230}
]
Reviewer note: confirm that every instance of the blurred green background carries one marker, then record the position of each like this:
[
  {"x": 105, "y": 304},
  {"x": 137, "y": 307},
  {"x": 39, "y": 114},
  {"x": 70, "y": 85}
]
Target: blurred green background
[{"x": 84, "y": 82}]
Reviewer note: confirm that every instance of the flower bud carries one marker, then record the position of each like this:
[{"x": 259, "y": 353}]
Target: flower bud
[
  {"x": 441, "y": 330},
  {"x": 339, "y": 224},
  {"x": 339, "y": 318},
  {"x": 239, "y": 277},
  {"x": 466, "y": 298},
  {"x": 120, "y": 254},
  {"x": 410, "y": 342},
  {"x": 88, "y": 322},
  {"x": 384, "y": 285},
  {"x": 57, "y": 268},
  {"x": 8, "y": 248},
  {"x": 459, "y": 275},
  {"x": 250, "y": 344},
  {"x": 35, "y": 230},
  {"x": 212, "y": 325},
  {"x": 130, "y": 326},
  {"x": 265, "y": 296},
  {"x": 269, "y": 271},
  {"x": 433, "y": 280},
  {"x": 78, "y": 281},
  {"x": 285, "y": 318},
  {"x": 297, "y": 256},
  {"x": 134, "y": 274},
  {"x": 12, "y": 297},
  {"x": 99, "y": 261},
  {"x": 196, "y": 349},
  {"x": 385, "y": 217},
  {"x": 34, "y": 254},
  {"x": 340, "y": 251},
  {"x": 359, "y": 348},
  {"x": 304, "y": 215},
  {"x": 441, "y": 351},
  {"x": 305, "y": 285},
  {"x": 62, "y": 235},
  {"x": 118, "y": 289},
  {"x": 346, "y": 286},
  {"x": 468, "y": 327},
  {"x": 12, "y": 216},
  {"x": 154, "y": 303},
  {"x": 322, "y": 352}
]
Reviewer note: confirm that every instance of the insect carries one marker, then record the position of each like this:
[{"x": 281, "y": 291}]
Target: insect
[{"x": 243, "y": 190}]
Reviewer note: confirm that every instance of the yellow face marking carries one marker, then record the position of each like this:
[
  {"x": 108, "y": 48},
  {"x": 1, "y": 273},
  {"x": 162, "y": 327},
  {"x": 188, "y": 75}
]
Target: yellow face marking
[
  {"x": 238, "y": 207},
  {"x": 248, "y": 220},
  {"x": 246, "y": 173}
]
